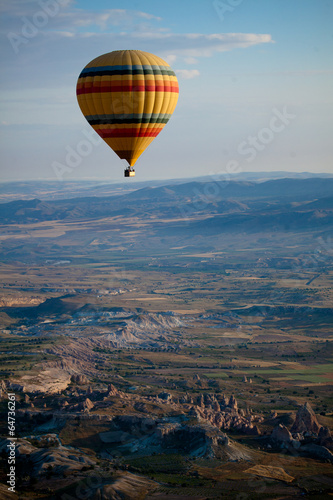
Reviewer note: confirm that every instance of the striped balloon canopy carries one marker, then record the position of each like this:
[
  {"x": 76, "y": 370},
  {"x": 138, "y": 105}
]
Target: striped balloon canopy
[{"x": 127, "y": 96}]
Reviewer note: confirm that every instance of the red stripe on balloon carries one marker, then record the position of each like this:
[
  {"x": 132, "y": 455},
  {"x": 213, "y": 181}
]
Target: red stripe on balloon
[
  {"x": 86, "y": 89},
  {"x": 128, "y": 132}
]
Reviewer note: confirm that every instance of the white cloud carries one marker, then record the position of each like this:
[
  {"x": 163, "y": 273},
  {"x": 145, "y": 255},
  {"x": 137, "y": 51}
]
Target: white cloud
[
  {"x": 77, "y": 31},
  {"x": 188, "y": 45},
  {"x": 191, "y": 60},
  {"x": 192, "y": 45},
  {"x": 149, "y": 16},
  {"x": 170, "y": 58},
  {"x": 187, "y": 74},
  {"x": 63, "y": 15},
  {"x": 172, "y": 45},
  {"x": 105, "y": 19},
  {"x": 65, "y": 34}
]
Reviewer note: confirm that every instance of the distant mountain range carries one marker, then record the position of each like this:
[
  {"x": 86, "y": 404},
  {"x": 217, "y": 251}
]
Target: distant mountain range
[
  {"x": 300, "y": 198},
  {"x": 55, "y": 190}
]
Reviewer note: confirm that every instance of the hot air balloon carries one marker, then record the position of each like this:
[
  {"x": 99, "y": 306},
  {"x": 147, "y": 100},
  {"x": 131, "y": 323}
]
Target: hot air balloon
[{"x": 127, "y": 96}]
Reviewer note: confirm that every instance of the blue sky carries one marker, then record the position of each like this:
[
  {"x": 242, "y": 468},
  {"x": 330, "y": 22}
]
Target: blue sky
[{"x": 255, "y": 85}]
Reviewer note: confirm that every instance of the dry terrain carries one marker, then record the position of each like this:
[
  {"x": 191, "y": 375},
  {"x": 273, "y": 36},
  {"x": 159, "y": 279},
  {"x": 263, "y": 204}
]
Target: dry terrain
[{"x": 162, "y": 343}]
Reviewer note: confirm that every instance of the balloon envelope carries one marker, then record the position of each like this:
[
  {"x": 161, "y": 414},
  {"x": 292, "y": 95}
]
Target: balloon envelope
[{"x": 127, "y": 96}]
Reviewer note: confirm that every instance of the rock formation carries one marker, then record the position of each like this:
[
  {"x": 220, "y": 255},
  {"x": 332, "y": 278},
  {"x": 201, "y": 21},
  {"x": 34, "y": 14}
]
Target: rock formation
[
  {"x": 85, "y": 406},
  {"x": 79, "y": 379},
  {"x": 126, "y": 486},
  {"x": 314, "y": 450},
  {"x": 233, "y": 403},
  {"x": 186, "y": 399},
  {"x": 201, "y": 401},
  {"x": 306, "y": 422},
  {"x": 112, "y": 391},
  {"x": 62, "y": 459},
  {"x": 194, "y": 413},
  {"x": 224, "y": 401},
  {"x": 281, "y": 435},
  {"x": 3, "y": 389},
  {"x": 165, "y": 396},
  {"x": 224, "y": 414},
  {"x": 325, "y": 438}
]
